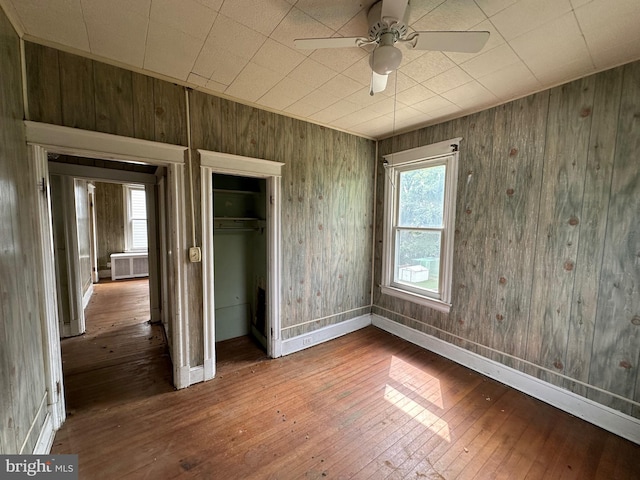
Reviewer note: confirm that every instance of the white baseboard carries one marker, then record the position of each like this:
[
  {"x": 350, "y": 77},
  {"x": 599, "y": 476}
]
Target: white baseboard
[
  {"x": 87, "y": 296},
  {"x": 45, "y": 439},
  {"x": 196, "y": 374},
  {"x": 607, "y": 418},
  {"x": 324, "y": 334}
]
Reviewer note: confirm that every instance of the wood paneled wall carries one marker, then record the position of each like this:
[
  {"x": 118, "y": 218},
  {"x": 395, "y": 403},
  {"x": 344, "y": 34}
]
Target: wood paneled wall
[
  {"x": 327, "y": 181},
  {"x": 22, "y": 383},
  {"x": 109, "y": 206},
  {"x": 547, "y": 244}
]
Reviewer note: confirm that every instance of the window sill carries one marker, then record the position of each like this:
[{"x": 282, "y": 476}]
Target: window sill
[{"x": 415, "y": 298}]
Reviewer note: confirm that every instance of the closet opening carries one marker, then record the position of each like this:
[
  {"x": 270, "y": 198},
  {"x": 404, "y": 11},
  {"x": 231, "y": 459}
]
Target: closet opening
[{"x": 240, "y": 267}]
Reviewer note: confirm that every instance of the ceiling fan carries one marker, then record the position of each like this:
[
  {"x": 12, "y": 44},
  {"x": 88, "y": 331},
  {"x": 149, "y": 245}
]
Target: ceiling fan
[{"x": 388, "y": 26}]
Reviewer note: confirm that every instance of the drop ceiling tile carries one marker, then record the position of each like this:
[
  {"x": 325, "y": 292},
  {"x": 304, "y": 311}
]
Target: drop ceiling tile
[
  {"x": 427, "y": 66},
  {"x": 139, "y": 7},
  {"x": 468, "y": 94},
  {"x": 320, "y": 99},
  {"x": 385, "y": 106},
  {"x": 225, "y": 68},
  {"x": 332, "y": 13},
  {"x": 360, "y": 71},
  {"x": 116, "y": 36},
  {"x": 258, "y": 15},
  {"x": 286, "y": 92},
  {"x": 340, "y": 86},
  {"x": 170, "y": 51},
  {"x": 275, "y": 56},
  {"x": 253, "y": 82},
  {"x": 334, "y": 112},
  {"x": 197, "y": 80},
  {"x": 491, "y": 7},
  {"x": 358, "y": 26},
  {"x": 338, "y": 59},
  {"x": 188, "y": 16},
  {"x": 375, "y": 127},
  {"x": 495, "y": 39},
  {"x": 610, "y": 45},
  {"x": 312, "y": 73},
  {"x": 446, "y": 112},
  {"x": 301, "y": 109},
  {"x": 363, "y": 99},
  {"x": 511, "y": 82},
  {"x": 399, "y": 82},
  {"x": 415, "y": 94},
  {"x": 451, "y": 15},
  {"x": 212, "y": 4},
  {"x": 222, "y": 45},
  {"x": 417, "y": 10},
  {"x": 539, "y": 50},
  {"x": 214, "y": 86},
  {"x": 298, "y": 24},
  {"x": 63, "y": 22},
  {"x": 495, "y": 59},
  {"x": 527, "y": 15},
  {"x": 432, "y": 104},
  {"x": 579, "y": 3},
  {"x": 448, "y": 80}
]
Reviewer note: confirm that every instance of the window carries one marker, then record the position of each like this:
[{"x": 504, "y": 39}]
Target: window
[
  {"x": 135, "y": 218},
  {"x": 419, "y": 218}
]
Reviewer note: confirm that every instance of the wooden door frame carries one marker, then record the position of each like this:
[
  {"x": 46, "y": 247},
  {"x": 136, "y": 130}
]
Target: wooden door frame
[
  {"x": 43, "y": 138},
  {"x": 216, "y": 162}
]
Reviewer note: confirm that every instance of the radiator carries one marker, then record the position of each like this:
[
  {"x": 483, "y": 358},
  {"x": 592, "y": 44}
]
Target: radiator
[{"x": 129, "y": 265}]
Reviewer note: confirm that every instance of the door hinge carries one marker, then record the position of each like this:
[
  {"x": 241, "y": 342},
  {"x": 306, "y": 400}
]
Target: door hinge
[
  {"x": 58, "y": 388},
  {"x": 42, "y": 185},
  {"x": 271, "y": 199}
]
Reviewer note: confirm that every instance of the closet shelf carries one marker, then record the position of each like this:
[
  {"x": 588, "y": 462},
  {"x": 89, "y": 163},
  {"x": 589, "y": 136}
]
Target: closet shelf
[{"x": 236, "y": 192}]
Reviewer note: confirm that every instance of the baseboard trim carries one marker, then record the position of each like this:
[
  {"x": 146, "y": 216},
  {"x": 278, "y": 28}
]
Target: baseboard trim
[
  {"x": 604, "y": 417},
  {"x": 196, "y": 374},
  {"x": 45, "y": 439},
  {"x": 324, "y": 334},
  {"x": 86, "y": 298}
]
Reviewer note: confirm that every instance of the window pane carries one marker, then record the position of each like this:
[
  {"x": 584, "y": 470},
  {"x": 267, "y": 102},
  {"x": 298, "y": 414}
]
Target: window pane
[
  {"x": 139, "y": 234},
  {"x": 138, "y": 204},
  {"x": 421, "y": 197},
  {"x": 418, "y": 259}
]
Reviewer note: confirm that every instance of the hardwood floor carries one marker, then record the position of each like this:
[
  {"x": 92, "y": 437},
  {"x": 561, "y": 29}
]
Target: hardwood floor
[{"x": 366, "y": 405}]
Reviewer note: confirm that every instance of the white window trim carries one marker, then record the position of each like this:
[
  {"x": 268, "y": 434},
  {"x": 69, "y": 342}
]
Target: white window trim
[
  {"x": 435, "y": 154},
  {"x": 128, "y": 232}
]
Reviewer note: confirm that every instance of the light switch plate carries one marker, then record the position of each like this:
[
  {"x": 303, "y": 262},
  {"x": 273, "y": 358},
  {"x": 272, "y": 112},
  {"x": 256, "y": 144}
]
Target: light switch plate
[{"x": 195, "y": 255}]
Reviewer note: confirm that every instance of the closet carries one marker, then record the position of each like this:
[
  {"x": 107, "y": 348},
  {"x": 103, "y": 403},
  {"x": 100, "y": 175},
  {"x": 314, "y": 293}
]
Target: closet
[{"x": 240, "y": 257}]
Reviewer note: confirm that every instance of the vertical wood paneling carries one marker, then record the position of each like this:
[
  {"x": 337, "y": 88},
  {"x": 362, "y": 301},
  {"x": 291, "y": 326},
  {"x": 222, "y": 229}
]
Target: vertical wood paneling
[
  {"x": 315, "y": 219},
  {"x": 247, "y": 123},
  {"x": 43, "y": 83},
  {"x": 566, "y": 148},
  {"x": 22, "y": 383},
  {"x": 546, "y": 246},
  {"x": 143, "y": 107},
  {"x": 77, "y": 91},
  {"x": 593, "y": 221},
  {"x": 109, "y": 200},
  {"x": 472, "y": 215},
  {"x": 170, "y": 113},
  {"x": 205, "y": 121},
  {"x": 616, "y": 350},
  {"x": 521, "y": 164},
  {"x": 114, "y": 100},
  {"x": 228, "y": 136}
]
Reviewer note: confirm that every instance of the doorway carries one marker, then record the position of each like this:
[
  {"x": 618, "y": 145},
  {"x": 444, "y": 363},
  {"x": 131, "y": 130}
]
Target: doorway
[{"x": 44, "y": 138}]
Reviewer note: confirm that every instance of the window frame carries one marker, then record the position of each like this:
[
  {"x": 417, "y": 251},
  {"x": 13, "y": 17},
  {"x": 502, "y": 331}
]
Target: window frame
[
  {"x": 441, "y": 153},
  {"x": 128, "y": 229}
]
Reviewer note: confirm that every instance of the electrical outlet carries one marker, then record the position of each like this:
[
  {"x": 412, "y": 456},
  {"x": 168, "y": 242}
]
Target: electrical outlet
[
  {"x": 307, "y": 341},
  {"x": 108, "y": 264}
]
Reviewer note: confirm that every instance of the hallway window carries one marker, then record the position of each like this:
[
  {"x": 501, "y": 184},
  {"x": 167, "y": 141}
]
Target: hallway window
[{"x": 135, "y": 218}]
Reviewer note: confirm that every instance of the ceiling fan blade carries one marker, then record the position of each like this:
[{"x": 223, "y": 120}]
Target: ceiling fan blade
[
  {"x": 393, "y": 9},
  {"x": 378, "y": 83},
  {"x": 465, "y": 42},
  {"x": 333, "y": 42}
]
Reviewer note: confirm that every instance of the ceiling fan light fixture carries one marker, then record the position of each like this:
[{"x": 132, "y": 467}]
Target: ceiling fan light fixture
[{"x": 385, "y": 59}]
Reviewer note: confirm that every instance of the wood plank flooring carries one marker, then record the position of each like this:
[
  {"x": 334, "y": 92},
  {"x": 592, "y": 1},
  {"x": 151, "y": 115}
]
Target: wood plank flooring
[{"x": 367, "y": 405}]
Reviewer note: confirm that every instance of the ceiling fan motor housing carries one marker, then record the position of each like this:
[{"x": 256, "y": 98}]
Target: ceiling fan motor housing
[{"x": 377, "y": 26}]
